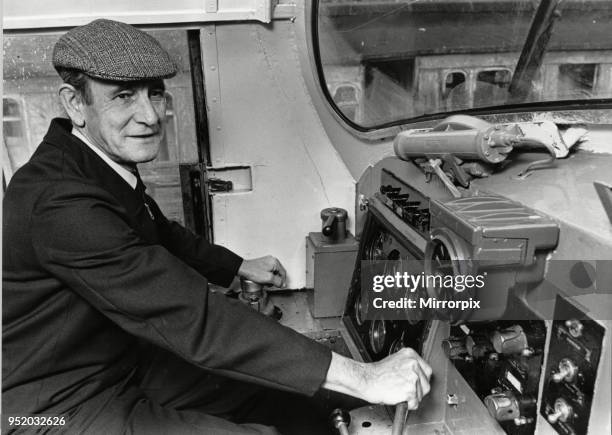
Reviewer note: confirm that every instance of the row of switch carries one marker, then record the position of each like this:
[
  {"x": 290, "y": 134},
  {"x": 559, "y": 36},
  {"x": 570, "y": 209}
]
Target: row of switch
[{"x": 414, "y": 213}]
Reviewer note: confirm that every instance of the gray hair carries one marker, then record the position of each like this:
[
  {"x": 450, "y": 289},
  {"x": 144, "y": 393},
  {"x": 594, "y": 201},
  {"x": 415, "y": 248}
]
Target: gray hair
[{"x": 79, "y": 81}]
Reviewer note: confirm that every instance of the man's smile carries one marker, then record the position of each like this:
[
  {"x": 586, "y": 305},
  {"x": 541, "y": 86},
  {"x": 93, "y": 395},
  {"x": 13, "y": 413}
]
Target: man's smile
[{"x": 145, "y": 135}]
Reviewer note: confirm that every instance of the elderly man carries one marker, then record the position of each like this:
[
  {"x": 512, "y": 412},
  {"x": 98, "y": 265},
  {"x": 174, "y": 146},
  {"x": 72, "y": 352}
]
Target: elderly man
[{"x": 107, "y": 320}]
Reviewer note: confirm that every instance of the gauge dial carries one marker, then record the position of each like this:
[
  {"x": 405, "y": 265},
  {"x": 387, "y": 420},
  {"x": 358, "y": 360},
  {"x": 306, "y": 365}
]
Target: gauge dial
[
  {"x": 376, "y": 249},
  {"x": 358, "y": 308},
  {"x": 447, "y": 256},
  {"x": 378, "y": 335}
]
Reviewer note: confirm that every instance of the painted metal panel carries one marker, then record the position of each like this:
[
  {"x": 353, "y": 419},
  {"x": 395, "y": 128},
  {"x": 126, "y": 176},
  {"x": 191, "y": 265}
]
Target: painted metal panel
[
  {"x": 261, "y": 116},
  {"x": 357, "y": 152},
  {"x": 34, "y": 14}
]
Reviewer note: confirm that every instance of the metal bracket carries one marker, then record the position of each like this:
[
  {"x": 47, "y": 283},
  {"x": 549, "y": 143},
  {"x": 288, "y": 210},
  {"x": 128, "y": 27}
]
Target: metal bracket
[{"x": 219, "y": 185}]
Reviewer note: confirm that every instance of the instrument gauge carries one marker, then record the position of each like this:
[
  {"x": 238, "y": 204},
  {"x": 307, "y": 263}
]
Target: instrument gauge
[
  {"x": 376, "y": 250},
  {"x": 447, "y": 256},
  {"x": 378, "y": 335},
  {"x": 358, "y": 308}
]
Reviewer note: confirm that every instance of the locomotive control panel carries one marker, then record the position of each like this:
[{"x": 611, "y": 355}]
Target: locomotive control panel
[{"x": 532, "y": 374}]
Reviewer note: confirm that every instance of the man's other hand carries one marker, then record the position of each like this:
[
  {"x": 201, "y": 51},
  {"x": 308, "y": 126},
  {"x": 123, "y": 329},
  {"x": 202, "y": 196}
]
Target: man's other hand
[
  {"x": 400, "y": 377},
  {"x": 264, "y": 270}
]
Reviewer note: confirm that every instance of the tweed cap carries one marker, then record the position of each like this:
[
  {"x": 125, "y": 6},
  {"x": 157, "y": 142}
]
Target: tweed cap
[{"x": 111, "y": 50}]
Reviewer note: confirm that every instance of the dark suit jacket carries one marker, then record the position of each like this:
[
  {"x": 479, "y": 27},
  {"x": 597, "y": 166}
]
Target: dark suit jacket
[{"x": 89, "y": 276}]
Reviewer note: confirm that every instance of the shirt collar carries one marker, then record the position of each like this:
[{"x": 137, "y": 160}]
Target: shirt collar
[{"x": 128, "y": 176}]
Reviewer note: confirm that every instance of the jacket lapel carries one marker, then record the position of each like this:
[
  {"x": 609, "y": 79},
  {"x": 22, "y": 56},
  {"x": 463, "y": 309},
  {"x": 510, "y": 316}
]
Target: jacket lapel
[{"x": 96, "y": 171}]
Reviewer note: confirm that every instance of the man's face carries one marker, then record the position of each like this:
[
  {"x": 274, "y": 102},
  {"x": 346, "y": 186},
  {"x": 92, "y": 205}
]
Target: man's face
[{"x": 126, "y": 120}]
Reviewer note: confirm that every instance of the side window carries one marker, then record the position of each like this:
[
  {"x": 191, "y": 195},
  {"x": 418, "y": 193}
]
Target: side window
[
  {"x": 455, "y": 91},
  {"x": 30, "y": 96},
  {"x": 14, "y": 133},
  {"x": 492, "y": 87},
  {"x": 168, "y": 149},
  {"x": 453, "y": 80},
  {"x": 576, "y": 80},
  {"x": 346, "y": 97}
]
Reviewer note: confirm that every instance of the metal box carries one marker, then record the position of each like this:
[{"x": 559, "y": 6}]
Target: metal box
[{"x": 329, "y": 268}]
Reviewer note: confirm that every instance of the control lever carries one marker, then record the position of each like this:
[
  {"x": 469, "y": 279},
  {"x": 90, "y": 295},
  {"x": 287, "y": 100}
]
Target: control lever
[
  {"x": 461, "y": 176},
  {"x": 562, "y": 412},
  {"x": 328, "y": 225},
  {"x": 401, "y": 414},
  {"x": 340, "y": 420},
  {"x": 435, "y": 165},
  {"x": 334, "y": 224},
  {"x": 255, "y": 296}
]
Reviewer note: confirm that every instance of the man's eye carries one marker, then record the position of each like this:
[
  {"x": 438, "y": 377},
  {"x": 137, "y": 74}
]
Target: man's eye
[
  {"x": 124, "y": 95},
  {"x": 158, "y": 94}
]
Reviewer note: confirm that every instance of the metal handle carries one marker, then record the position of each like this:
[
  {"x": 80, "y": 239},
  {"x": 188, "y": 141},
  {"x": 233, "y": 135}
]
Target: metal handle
[{"x": 328, "y": 226}]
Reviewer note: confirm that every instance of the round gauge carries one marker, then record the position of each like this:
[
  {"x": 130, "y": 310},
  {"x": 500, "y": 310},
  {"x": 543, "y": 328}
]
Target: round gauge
[
  {"x": 378, "y": 335},
  {"x": 376, "y": 248},
  {"x": 446, "y": 256},
  {"x": 358, "y": 308}
]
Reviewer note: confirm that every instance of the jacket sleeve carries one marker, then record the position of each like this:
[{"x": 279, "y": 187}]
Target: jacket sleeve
[
  {"x": 85, "y": 241},
  {"x": 217, "y": 264}
]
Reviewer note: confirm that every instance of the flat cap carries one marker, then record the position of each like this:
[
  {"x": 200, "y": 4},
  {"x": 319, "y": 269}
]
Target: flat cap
[{"x": 111, "y": 50}]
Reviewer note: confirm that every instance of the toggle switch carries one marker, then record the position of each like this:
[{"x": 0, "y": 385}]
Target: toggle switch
[
  {"x": 563, "y": 411},
  {"x": 575, "y": 327},
  {"x": 567, "y": 371}
]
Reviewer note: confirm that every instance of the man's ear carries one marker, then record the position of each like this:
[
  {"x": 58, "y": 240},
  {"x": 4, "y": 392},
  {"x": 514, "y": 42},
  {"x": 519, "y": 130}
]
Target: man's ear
[{"x": 73, "y": 104}]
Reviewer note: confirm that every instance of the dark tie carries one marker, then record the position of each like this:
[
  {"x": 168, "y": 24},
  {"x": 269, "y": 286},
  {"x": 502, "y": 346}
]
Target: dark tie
[{"x": 140, "y": 191}]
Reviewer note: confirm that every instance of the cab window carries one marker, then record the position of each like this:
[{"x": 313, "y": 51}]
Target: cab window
[{"x": 420, "y": 60}]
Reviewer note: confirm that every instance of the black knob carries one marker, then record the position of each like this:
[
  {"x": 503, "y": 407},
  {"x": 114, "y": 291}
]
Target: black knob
[{"x": 328, "y": 226}]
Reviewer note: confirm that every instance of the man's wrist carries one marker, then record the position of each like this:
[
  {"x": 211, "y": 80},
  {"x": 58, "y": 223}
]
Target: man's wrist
[
  {"x": 346, "y": 376},
  {"x": 240, "y": 270}
]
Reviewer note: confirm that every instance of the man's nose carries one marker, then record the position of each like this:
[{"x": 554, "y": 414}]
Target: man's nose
[{"x": 148, "y": 112}]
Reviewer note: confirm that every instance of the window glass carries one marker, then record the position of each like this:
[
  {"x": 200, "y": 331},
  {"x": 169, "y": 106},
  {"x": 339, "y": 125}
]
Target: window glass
[
  {"x": 455, "y": 93},
  {"x": 413, "y": 58},
  {"x": 168, "y": 145},
  {"x": 346, "y": 96},
  {"x": 491, "y": 87},
  {"x": 14, "y": 133},
  {"x": 576, "y": 80}
]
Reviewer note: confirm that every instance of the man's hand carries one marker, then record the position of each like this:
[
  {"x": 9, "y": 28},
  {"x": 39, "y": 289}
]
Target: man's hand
[
  {"x": 401, "y": 377},
  {"x": 264, "y": 270}
]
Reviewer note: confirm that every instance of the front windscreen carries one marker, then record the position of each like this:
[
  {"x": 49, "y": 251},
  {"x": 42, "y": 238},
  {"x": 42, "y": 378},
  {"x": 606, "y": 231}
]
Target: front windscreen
[{"x": 384, "y": 62}]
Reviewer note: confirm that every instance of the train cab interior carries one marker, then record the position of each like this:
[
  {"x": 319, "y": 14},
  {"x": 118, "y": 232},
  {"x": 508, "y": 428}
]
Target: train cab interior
[{"x": 431, "y": 137}]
